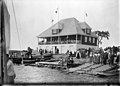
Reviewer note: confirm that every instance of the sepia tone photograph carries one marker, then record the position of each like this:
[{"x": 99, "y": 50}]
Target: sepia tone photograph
[{"x": 59, "y": 42}]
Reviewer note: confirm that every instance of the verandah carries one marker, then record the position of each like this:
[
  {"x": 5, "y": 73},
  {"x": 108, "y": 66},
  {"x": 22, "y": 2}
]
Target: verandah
[{"x": 67, "y": 39}]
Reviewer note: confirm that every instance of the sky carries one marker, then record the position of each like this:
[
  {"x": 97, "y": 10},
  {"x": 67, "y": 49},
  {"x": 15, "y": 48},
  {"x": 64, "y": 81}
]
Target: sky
[{"x": 34, "y": 17}]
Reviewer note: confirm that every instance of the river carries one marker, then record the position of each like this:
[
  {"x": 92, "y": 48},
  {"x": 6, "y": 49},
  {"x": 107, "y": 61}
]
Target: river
[{"x": 30, "y": 74}]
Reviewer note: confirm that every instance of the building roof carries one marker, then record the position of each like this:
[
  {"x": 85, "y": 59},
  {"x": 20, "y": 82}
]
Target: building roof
[
  {"x": 69, "y": 26},
  {"x": 84, "y": 25}
]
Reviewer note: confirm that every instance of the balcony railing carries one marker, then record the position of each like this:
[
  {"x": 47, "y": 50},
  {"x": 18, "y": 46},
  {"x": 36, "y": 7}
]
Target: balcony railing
[{"x": 60, "y": 42}]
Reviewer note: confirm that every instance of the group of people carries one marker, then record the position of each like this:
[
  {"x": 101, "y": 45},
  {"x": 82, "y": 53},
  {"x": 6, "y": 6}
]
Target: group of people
[
  {"x": 66, "y": 61},
  {"x": 101, "y": 56}
]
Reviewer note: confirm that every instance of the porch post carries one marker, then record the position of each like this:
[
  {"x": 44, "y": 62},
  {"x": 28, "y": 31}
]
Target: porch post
[
  {"x": 67, "y": 39},
  {"x": 51, "y": 40},
  {"x": 44, "y": 40},
  {"x": 81, "y": 39},
  {"x": 58, "y": 39},
  {"x": 76, "y": 38}
]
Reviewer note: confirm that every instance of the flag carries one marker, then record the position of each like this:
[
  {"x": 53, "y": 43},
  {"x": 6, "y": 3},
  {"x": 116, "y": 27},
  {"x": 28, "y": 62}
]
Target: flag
[
  {"x": 56, "y": 11},
  {"x": 52, "y": 20},
  {"x": 86, "y": 15}
]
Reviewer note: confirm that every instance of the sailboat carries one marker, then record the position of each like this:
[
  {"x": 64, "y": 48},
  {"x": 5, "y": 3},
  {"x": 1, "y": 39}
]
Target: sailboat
[{"x": 5, "y": 40}]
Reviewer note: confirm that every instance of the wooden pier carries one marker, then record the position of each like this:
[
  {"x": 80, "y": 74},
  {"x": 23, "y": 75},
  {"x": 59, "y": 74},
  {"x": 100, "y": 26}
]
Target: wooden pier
[{"x": 49, "y": 64}]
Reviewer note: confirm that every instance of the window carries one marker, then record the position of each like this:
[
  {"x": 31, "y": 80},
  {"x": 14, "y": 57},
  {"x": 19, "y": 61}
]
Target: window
[
  {"x": 90, "y": 39},
  {"x": 84, "y": 30},
  {"x": 88, "y": 31},
  {"x": 56, "y": 31},
  {"x": 93, "y": 40},
  {"x": 86, "y": 39}
]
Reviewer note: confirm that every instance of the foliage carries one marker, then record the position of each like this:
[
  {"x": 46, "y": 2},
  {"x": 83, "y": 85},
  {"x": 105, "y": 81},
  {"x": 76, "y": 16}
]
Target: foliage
[{"x": 101, "y": 35}]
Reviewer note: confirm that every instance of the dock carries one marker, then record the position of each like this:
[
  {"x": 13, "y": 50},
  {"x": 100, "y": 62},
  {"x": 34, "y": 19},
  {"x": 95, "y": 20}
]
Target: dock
[{"x": 48, "y": 63}]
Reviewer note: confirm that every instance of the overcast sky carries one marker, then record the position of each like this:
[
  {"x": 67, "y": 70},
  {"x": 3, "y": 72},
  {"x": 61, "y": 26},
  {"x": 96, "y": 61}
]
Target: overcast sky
[{"x": 34, "y": 16}]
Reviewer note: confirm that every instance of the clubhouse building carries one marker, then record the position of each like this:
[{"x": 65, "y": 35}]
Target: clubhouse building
[{"x": 67, "y": 34}]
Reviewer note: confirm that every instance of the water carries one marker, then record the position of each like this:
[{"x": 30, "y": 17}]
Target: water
[{"x": 30, "y": 74}]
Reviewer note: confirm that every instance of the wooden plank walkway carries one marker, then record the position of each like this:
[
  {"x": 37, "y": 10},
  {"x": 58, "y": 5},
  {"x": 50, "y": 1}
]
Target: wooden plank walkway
[
  {"x": 80, "y": 67},
  {"x": 92, "y": 67}
]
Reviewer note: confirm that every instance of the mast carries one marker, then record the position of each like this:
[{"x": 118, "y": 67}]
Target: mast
[{"x": 3, "y": 45}]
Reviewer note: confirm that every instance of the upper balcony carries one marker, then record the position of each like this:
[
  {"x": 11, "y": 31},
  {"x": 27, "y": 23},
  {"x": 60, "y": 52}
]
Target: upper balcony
[
  {"x": 72, "y": 39},
  {"x": 60, "y": 42}
]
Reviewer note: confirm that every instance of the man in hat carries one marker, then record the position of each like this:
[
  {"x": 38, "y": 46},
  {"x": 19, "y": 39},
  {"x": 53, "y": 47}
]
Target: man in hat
[{"x": 10, "y": 71}]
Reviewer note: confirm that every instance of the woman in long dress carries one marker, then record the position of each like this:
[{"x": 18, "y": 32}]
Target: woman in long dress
[{"x": 78, "y": 54}]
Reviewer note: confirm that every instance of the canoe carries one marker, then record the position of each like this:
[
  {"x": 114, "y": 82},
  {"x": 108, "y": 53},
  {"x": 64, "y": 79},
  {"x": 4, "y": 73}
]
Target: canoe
[
  {"x": 36, "y": 56},
  {"x": 47, "y": 54},
  {"x": 17, "y": 60},
  {"x": 28, "y": 61},
  {"x": 108, "y": 73}
]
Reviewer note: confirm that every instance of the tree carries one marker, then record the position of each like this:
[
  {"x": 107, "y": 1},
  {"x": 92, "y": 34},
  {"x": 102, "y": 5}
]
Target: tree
[{"x": 101, "y": 35}]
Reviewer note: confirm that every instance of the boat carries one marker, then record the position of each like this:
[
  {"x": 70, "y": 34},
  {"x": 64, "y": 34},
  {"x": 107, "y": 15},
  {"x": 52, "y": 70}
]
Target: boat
[
  {"x": 17, "y": 60},
  {"x": 46, "y": 56},
  {"x": 28, "y": 62},
  {"x": 113, "y": 71}
]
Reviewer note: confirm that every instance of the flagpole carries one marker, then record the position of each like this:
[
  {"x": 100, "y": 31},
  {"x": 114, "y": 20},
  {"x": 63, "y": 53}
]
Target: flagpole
[
  {"x": 84, "y": 18},
  {"x": 52, "y": 22},
  {"x": 84, "y": 15},
  {"x": 58, "y": 16}
]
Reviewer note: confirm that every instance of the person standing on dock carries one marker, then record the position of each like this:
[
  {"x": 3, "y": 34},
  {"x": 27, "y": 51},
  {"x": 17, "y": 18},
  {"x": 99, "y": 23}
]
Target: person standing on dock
[
  {"x": 105, "y": 58},
  {"x": 41, "y": 53},
  {"x": 10, "y": 71},
  {"x": 91, "y": 56},
  {"x": 78, "y": 54}
]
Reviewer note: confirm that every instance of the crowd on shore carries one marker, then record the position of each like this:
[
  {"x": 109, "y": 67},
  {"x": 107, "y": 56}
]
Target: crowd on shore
[{"x": 109, "y": 55}]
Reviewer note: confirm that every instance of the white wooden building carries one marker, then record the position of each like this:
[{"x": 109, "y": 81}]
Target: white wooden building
[{"x": 67, "y": 34}]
